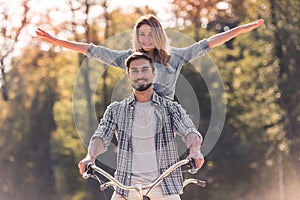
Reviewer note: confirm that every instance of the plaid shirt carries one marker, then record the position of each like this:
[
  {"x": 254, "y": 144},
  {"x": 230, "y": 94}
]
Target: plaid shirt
[{"x": 169, "y": 117}]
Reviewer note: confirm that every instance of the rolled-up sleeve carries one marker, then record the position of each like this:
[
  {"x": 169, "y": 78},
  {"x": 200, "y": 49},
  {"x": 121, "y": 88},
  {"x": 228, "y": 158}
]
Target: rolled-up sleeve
[
  {"x": 193, "y": 51},
  {"x": 182, "y": 121},
  {"x": 109, "y": 56},
  {"x": 107, "y": 126}
]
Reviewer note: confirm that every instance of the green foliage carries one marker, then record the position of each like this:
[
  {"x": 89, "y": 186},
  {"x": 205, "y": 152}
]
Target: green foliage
[{"x": 32, "y": 122}]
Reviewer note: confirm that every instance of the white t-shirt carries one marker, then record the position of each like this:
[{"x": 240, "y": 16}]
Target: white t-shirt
[{"x": 144, "y": 162}]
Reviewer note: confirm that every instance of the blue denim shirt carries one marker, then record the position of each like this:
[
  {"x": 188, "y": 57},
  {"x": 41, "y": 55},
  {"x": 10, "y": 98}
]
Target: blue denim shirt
[{"x": 166, "y": 77}]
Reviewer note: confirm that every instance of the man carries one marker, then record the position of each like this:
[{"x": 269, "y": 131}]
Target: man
[{"x": 144, "y": 125}]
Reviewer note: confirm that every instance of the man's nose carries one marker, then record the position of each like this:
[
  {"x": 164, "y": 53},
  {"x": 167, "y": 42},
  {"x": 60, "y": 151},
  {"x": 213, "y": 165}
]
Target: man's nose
[{"x": 140, "y": 74}]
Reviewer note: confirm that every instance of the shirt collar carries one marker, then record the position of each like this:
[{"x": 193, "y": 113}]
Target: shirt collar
[{"x": 155, "y": 98}]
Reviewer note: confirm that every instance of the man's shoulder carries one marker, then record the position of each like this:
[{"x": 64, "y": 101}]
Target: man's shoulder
[
  {"x": 122, "y": 103},
  {"x": 164, "y": 100}
]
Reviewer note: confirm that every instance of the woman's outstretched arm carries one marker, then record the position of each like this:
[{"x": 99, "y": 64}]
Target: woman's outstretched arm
[
  {"x": 221, "y": 38},
  {"x": 75, "y": 46}
]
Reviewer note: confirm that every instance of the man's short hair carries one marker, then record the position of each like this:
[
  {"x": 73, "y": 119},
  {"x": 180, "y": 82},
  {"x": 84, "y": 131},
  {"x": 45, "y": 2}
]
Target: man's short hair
[{"x": 136, "y": 56}]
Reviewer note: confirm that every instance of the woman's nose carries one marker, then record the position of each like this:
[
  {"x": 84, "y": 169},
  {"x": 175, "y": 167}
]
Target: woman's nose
[{"x": 148, "y": 38}]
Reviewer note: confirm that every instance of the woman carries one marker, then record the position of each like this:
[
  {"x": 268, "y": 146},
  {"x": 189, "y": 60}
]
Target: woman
[{"x": 150, "y": 37}]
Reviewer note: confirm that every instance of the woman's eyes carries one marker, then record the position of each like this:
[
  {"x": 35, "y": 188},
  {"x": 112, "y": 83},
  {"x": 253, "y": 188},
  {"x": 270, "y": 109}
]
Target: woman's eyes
[{"x": 144, "y": 35}]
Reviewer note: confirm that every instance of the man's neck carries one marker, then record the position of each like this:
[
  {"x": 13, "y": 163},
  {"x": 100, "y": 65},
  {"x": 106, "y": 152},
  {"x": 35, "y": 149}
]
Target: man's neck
[{"x": 143, "y": 96}]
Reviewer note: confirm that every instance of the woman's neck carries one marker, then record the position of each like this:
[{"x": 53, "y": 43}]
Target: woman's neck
[{"x": 151, "y": 53}]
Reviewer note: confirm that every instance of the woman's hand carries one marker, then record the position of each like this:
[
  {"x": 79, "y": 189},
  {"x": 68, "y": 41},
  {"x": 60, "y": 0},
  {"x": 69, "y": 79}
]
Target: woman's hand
[
  {"x": 75, "y": 46},
  {"x": 221, "y": 38},
  {"x": 43, "y": 35},
  {"x": 253, "y": 25}
]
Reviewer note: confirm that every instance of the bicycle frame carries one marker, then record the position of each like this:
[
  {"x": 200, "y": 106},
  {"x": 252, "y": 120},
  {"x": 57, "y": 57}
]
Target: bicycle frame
[{"x": 91, "y": 168}]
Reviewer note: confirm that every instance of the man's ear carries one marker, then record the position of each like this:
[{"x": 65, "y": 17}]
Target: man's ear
[{"x": 128, "y": 74}]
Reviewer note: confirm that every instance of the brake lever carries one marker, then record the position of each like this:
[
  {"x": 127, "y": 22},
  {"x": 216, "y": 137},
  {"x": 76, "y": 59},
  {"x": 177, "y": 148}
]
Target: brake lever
[
  {"x": 201, "y": 183},
  {"x": 106, "y": 185}
]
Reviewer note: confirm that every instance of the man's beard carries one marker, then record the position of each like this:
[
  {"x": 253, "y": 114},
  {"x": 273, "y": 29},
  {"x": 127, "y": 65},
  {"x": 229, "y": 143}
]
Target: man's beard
[{"x": 143, "y": 87}]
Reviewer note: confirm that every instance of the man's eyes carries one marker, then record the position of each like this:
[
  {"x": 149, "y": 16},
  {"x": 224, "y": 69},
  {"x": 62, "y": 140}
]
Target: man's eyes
[{"x": 143, "y": 70}]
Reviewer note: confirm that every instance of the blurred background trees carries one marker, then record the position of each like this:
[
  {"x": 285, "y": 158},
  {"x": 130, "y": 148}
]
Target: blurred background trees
[{"x": 257, "y": 155}]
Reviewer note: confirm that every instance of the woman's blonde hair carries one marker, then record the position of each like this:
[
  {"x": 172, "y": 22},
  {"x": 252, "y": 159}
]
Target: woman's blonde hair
[{"x": 161, "y": 50}]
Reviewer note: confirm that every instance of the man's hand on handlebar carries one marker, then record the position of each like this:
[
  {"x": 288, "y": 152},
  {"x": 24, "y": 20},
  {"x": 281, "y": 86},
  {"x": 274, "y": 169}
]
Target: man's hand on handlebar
[
  {"x": 193, "y": 142},
  {"x": 198, "y": 158},
  {"x": 83, "y": 163}
]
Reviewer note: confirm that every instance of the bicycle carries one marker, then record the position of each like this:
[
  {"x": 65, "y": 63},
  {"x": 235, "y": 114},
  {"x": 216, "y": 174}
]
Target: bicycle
[{"x": 92, "y": 168}]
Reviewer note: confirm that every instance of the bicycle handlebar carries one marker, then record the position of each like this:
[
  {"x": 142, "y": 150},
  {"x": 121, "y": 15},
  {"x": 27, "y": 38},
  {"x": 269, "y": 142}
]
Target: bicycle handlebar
[{"x": 113, "y": 182}]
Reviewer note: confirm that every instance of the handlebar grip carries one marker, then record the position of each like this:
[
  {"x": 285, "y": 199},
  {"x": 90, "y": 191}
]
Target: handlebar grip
[
  {"x": 88, "y": 171},
  {"x": 192, "y": 163},
  {"x": 192, "y": 166},
  {"x": 89, "y": 168}
]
